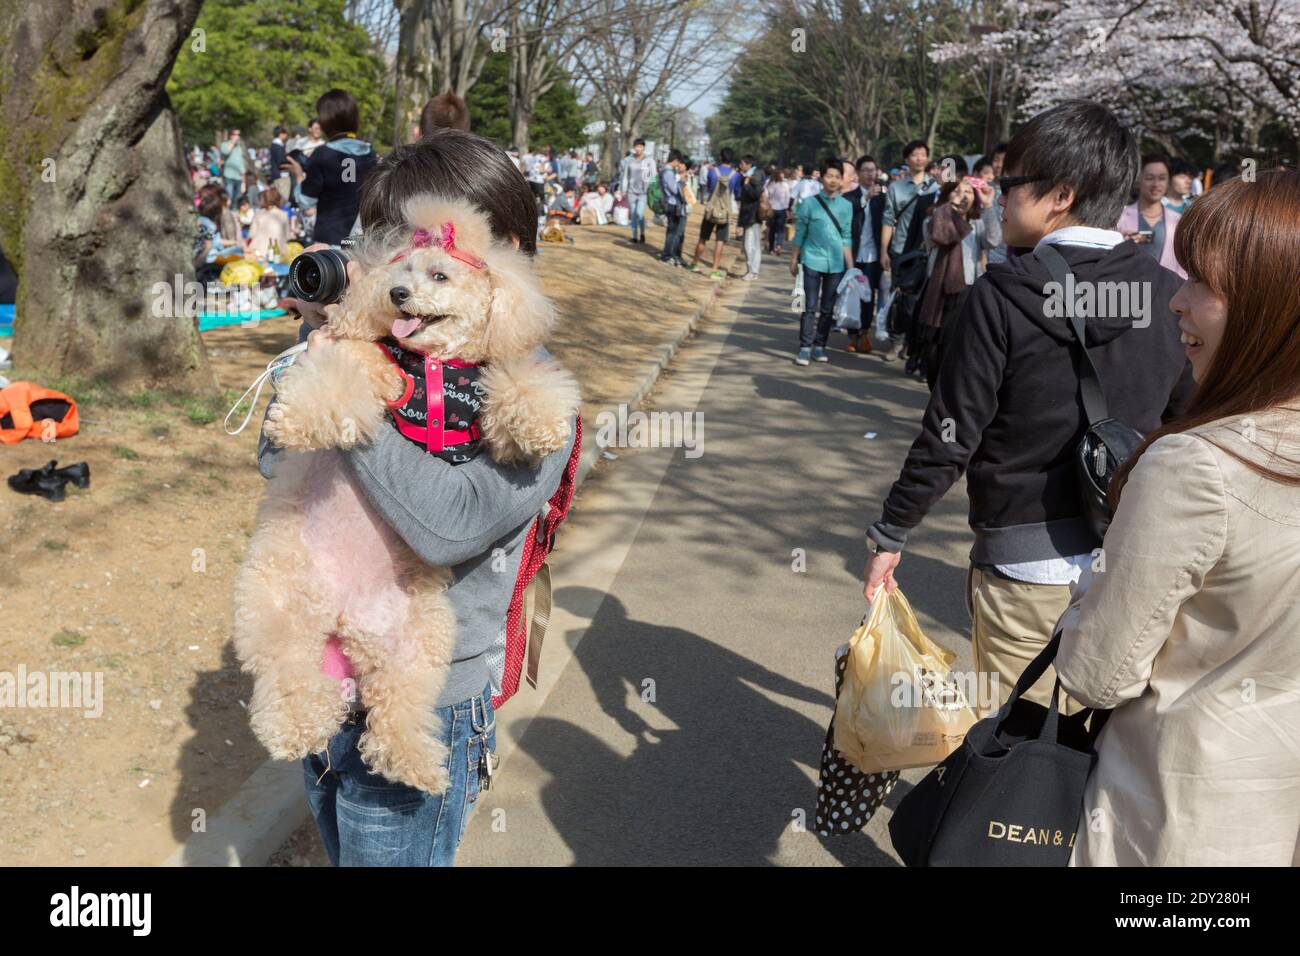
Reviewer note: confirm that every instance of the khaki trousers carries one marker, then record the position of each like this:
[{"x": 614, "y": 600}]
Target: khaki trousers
[{"x": 1011, "y": 622}]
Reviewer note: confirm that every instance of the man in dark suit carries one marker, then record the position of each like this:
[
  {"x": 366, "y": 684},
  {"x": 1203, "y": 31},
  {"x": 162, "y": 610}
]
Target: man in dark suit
[
  {"x": 278, "y": 152},
  {"x": 868, "y": 202}
]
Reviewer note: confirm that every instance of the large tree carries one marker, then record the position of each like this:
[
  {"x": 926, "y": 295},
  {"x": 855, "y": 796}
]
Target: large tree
[{"x": 97, "y": 208}]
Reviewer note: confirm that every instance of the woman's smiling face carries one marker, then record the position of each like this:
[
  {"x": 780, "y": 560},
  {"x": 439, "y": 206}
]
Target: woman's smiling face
[{"x": 1202, "y": 318}]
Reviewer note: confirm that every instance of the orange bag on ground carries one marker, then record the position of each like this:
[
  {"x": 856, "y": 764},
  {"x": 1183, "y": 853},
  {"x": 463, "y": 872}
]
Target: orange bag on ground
[{"x": 28, "y": 410}]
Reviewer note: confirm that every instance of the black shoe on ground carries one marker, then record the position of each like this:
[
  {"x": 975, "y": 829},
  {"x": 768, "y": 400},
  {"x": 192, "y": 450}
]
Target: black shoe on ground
[
  {"x": 51, "y": 486},
  {"x": 78, "y": 474}
]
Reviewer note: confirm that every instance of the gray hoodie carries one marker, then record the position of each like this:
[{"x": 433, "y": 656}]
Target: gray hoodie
[{"x": 457, "y": 516}]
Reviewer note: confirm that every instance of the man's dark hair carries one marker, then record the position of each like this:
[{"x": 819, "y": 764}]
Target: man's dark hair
[
  {"x": 747, "y": 158},
  {"x": 337, "y": 113},
  {"x": 915, "y": 145},
  {"x": 999, "y": 148},
  {"x": 832, "y": 162},
  {"x": 984, "y": 162},
  {"x": 1160, "y": 158},
  {"x": 279, "y": 131},
  {"x": 675, "y": 155},
  {"x": 1083, "y": 146},
  {"x": 444, "y": 111},
  {"x": 865, "y": 158},
  {"x": 455, "y": 164},
  {"x": 724, "y": 155},
  {"x": 638, "y": 141},
  {"x": 1224, "y": 172}
]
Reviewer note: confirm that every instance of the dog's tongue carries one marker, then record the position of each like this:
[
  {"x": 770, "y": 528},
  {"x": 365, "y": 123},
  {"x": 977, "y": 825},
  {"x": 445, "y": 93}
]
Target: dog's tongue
[{"x": 404, "y": 327}]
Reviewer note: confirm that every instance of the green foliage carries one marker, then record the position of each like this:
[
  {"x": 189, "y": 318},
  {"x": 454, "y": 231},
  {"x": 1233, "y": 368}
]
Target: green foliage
[
  {"x": 266, "y": 63},
  {"x": 765, "y": 115},
  {"x": 558, "y": 119}
]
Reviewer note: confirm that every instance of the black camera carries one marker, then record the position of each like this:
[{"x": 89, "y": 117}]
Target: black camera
[{"x": 321, "y": 276}]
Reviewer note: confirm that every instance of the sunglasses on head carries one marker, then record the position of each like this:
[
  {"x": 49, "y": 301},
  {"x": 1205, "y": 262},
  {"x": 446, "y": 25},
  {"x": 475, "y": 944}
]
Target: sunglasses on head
[{"x": 1008, "y": 183}]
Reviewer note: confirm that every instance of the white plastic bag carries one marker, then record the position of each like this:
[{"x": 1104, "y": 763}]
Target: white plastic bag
[
  {"x": 848, "y": 301},
  {"x": 897, "y": 707},
  {"x": 796, "y": 295}
]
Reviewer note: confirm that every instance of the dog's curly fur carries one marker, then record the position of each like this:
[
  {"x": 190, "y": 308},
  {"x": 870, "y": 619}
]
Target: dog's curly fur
[{"x": 321, "y": 561}]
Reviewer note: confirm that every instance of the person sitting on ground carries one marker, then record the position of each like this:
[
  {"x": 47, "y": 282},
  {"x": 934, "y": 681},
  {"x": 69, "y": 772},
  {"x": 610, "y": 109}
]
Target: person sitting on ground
[
  {"x": 208, "y": 243},
  {"x": 270, "y": 225},
  {"x": 1189, "y": 637}
]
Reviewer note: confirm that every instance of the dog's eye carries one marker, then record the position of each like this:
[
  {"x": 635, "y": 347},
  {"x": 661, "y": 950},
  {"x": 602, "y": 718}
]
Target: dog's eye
[{"x": 439, "y": 277}]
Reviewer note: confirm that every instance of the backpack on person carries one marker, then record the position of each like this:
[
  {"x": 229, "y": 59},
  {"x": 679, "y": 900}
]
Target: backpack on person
[
  {"x": 523, "y": 634},
  {"x": 717, "y": 208}
]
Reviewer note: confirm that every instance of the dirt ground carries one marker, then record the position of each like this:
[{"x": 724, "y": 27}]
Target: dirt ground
[{"x": 129, "y": 581}]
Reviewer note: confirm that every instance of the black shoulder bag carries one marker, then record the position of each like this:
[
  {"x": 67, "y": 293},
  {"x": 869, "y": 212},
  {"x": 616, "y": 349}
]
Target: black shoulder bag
[
  {"x": 908, "y": 270},
  {"x": 1108, "y": 442},
  {"x": 1011, "y": 794}
]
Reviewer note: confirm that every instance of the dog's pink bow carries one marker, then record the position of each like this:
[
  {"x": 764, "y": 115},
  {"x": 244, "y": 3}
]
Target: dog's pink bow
[{"x": 445, "y": 239}]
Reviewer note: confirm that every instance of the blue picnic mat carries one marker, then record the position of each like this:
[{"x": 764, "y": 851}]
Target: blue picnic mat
[
  {"x": 6, "y": 321},
  {"x": 217, "y": 320}
]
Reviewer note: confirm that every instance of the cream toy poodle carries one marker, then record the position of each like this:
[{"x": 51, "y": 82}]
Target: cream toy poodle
[{"x": 439, "y": 338}]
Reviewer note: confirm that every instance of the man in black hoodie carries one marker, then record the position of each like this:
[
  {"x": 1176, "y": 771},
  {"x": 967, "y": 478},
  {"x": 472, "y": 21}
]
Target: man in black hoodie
[{"x": 1006, "y": 408}]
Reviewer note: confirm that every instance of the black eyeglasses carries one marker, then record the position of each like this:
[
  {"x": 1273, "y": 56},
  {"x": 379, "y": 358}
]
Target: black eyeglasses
[{"x": 1008, "y": 183}]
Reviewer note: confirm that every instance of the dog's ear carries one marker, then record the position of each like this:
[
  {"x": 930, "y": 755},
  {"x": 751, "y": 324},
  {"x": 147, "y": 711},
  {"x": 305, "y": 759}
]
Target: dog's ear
[
  {"x": 430, "y": 212},
  {"x": 520, "y": 316},
  {"x": 365, "y": 301}
]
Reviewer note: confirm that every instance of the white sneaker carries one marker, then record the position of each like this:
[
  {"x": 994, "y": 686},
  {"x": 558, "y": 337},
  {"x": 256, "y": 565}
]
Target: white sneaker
[{"x": 749, "y": 276}]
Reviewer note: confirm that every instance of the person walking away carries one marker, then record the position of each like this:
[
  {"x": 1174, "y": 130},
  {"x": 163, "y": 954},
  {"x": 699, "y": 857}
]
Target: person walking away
[
  {"x": 671, "y": 180},
  {"x": 778, "y": 197},
  {"x": 751, "y": 227},
  {"x": 233, "y": 165},
  {"x": 900, "y": 206},
  {"x": 332, "y": 180},
  {"x": 822, "y": 246},
  {"x": 721, "y": 187},
  {"x": 868, "y": 202},
  {"x": 1189, "y": 637},
  {"x": 1148, "y": 221},
  {"x": 962, "y": 226},
  {"x": 638, "y": 171},
  {"x": 1005, "y": 410}
]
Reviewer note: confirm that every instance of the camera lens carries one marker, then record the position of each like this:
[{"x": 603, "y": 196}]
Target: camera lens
[{"x": 319, "y": 276}]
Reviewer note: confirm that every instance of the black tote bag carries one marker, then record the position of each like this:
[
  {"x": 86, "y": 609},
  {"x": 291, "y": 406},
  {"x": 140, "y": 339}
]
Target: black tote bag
[{"x": 1011, "y": 794}]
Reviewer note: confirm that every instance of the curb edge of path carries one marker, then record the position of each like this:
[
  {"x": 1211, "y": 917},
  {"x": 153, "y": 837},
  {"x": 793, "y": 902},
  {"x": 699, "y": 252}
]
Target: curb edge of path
[{"x": 269, "y": 806}]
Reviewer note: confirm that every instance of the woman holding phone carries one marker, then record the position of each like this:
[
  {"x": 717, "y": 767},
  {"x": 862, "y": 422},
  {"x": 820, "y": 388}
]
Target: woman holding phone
[{"x": 1149, "y": 221}]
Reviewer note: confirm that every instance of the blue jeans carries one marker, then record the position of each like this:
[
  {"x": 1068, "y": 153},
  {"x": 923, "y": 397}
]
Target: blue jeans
[
  {"x": 236, "y": 189},
  {"x": 636, "y": 212},
  {"x": 818, "y": 307},
  {"x": 367, "y": 820}
]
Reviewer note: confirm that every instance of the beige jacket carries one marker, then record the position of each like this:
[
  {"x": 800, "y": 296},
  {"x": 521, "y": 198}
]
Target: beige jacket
[{"x": 1192, "y": 634}]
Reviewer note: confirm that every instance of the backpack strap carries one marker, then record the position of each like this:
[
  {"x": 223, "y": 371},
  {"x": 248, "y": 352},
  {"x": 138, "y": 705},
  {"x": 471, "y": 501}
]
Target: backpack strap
[
  {"x": 1090, "y": 389},
  {"x": 541, "y": 620}
]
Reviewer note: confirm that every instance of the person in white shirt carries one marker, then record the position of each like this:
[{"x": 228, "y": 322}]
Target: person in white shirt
[
  {"x": 638, "y": 172},
  {"x": 778, "y": 197}
]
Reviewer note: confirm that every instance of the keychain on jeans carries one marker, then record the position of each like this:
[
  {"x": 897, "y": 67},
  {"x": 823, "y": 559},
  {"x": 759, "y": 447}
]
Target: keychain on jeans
[{"x": 487, "y": 765}]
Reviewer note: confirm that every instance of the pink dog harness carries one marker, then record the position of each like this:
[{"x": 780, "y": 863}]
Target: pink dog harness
[{"x": 439, "y": 408}]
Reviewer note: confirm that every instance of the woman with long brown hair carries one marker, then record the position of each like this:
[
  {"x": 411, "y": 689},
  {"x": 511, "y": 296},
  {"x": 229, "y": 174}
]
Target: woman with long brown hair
[{"x": 1192, "y": 633}]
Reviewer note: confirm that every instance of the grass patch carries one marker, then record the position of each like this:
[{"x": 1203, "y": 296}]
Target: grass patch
[
  {"x": 126, "y": 454},
  {"x": 68, "y": 639},
  {"x": 51, "y": 545}
]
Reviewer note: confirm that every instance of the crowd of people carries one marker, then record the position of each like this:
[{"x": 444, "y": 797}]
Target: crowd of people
[{"x": 952, "y": 262}]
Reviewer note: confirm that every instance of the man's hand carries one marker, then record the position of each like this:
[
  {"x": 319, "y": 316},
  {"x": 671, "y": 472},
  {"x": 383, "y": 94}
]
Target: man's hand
[
  {"x": 884, "y": 260},
  {"x": 293, "y": 168},
  {"x": 880, "y": 570},
  {"x": 794, "y": 267}
]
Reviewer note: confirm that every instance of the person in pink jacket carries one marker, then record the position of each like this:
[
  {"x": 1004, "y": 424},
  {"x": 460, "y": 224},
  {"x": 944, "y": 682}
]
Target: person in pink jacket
[{"x": 1148, "y": 222}]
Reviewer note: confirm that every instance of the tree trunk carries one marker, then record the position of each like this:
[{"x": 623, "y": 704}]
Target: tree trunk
[
  {"x": 97, "y": 214},
  {"x": 414, "y": 66}
]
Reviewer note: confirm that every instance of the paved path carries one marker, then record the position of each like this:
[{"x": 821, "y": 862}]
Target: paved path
[{"x": 684, "y": 720}]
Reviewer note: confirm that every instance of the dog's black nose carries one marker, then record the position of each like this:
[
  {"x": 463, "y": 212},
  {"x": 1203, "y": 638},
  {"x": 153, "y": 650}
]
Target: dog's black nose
[{"x": 399, "y": 294}]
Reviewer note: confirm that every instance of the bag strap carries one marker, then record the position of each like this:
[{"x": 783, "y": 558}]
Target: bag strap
[
  {"x": 541, "y": 620},
  {"x": 1090, "y": 389},
  {"x": 827, "y": 206}
]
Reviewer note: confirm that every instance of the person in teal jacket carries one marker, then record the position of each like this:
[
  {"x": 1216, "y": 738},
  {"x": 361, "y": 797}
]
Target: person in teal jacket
[{"x": 821, "y": 241}]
